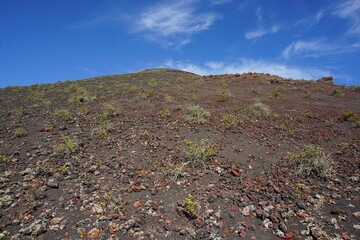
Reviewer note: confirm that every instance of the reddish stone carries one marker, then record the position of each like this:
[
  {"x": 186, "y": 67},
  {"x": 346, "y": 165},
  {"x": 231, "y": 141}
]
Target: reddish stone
[
  {"x": 233, "y": 208},
  {"x": 288, "y": 235},
  {"x": 137, "y": 204},
  {"x": 242, "y": 234}
]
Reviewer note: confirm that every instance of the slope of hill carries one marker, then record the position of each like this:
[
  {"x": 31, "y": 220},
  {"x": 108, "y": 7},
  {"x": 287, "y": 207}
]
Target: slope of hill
[{"x": 167, "y": 154}]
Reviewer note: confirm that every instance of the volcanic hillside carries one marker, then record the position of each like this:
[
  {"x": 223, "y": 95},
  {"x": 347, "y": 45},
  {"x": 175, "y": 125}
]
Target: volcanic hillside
[{"x": 167, "y": 154}]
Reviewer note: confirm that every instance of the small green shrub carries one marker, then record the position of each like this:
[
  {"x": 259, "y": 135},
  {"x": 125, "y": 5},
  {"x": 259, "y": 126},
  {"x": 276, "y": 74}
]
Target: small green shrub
[
  {"x": 197, "y": 153},
  {"x": 103, "y": 129},
  {"x": 223, "y": 95},
  {"x": 337, "y": 93},
  {"x": 3, "y": 159},
  {"x": 19, "y": 112},
  {"x": 169, "y": 98},
  {"x": 63, "y": 114},
  {"x": 355, "y": 88},
  {"x": 191, "y": 207},
  {"x": 356, "y": 124},
  {"x": 348, "y": 115},
  {"x": 275, "y": 95},
  {"x": 110, "y": 111},
  {"x": 230, "y": 121},
  {"x": 68, "y": 147},
  {"x": 19, "y": 132},
  {"x": 197, "y": 115},
  {"x": 175, "y": 172},
  {"x": 257, "y": 109},
  {"x": 311, "y": 160},
  {"x": 165, "y": 113},
  {"x": 309, "y": 95},
  {"x": 81, "y": 96}
]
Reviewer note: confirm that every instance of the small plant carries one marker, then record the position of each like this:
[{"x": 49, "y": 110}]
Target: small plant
[
  {"x": 275, "y": 95},
  {"x": 3, "y": 158},
  {"x": 230, "y": 121},
  {"x": 176, "y": 172},
  {"x": 169, "y": 98},
  {"x": 81, "y": 96},
  {"x": 223, "y": 94},
  {"x": 197, "y": 115},
  {"x": 110, "y": 111},
  {"x": 192, "y": 208},
  {"x": 68, "y": 147},
  {"x": 356, "y": 124},
  {"x": 19, "y": 112},
  {"x": 254, "y": 89},
  {"x": 311, "y": 160},
  {"x": 329, "y": 123},
  {"x": 165, "y": 113},
  {"x": 143, "y": 132},
  {"x": 309, "y": 95},
  {"x": 257, "y": 109},
  {"x": 103, "y": 129},
  {"x": 19, "y": 132},
  {"x": 337, "y": 93},
  {"x": 355, "y": 88},
  {"x": 63, "y": 114},
  {"x": 197, "y": 154},
  {"x": 348, "y": 115}
]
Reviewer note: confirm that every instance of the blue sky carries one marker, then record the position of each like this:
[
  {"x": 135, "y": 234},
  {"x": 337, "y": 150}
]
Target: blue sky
[{"x": 44, "y": 41}]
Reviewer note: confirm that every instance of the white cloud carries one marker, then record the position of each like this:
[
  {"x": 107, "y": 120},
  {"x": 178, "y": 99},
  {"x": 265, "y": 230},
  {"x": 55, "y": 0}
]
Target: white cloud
[
  {"x": 317, "y": 48},
  {"x": 301, "y": 47},
  {"x": 219, "y": 2},
  {"x": 245, "y": 65},
  {"x": 261, "y": 32},
  {"x": 172, "y": 24},
  {"x": 350, "y": 9}
]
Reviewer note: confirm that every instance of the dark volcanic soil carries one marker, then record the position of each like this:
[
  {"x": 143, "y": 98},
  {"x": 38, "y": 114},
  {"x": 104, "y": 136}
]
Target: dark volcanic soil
[{"x": 105, "y": 158}]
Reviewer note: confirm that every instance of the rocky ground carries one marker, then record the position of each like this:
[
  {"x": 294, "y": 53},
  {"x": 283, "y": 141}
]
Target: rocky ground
[{"x": 113, "y": 158}]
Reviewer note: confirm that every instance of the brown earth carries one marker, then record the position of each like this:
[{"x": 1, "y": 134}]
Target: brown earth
[{"x": 113, "y": 163}]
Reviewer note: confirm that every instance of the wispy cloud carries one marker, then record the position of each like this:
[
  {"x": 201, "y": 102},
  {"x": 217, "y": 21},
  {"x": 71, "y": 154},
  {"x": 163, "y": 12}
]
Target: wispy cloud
[
  {"x": 350, "y": 9},
  {"x": 173, "y": 24},
  {"x": 219, "y": 2},
  {"x": 248, "y": 65},
  {"x": 304, "y": 47},
  {"x": 317, "y": 48},
  {"x": 261, "y": 32}
]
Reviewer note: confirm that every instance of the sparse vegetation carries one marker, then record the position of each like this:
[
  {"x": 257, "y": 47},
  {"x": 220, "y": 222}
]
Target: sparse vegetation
[
  {"x": 67, "y": 147},
  {"x": 348, "y": 115},
  {"x": 19, "y": 132},
  {"x": 3, "y": 158},
  {"x": 197, "y": 153},
  {"x": 356, "y": 124},
  {"x": 355, "y": 88},
  {"x": 257, "y": 109},
  {"x": 63, "y": 114},
  {"x": 223, "y": 95},
  {"x": 165, "y": 113},
  {"x": 230, "y": 121},
  {"x": 169, "y": 98},
  {"x": 81, "y": 96},
  {"x": 277, "y": 93},
  {"x": 337, "y": 93},
  {"x": 103, "y": 129},
  {"x": 197, "y": 115},
  {"x": 309, "y": 95},
  {"x": 19, "y": 112},
  {"x": 191, "y": 207},
  {"x": 311, "y": 160},
  {"x": 110, "y": 111}
]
